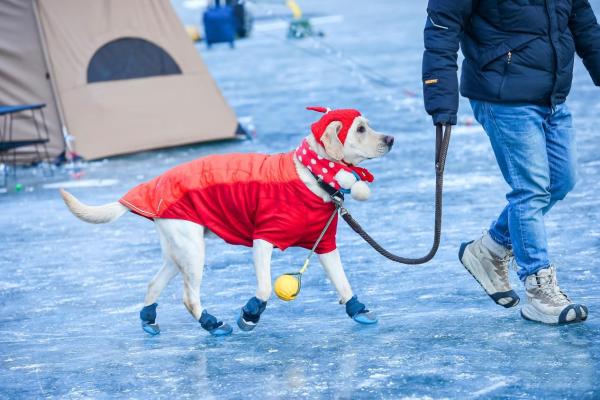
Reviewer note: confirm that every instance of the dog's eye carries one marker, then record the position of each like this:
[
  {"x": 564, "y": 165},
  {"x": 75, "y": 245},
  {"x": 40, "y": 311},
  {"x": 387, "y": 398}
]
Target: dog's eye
[{"x": 361, "y": 129}]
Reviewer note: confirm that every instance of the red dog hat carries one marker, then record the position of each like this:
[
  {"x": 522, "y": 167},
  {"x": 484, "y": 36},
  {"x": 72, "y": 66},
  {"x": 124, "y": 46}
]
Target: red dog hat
[{"x": 345, "y": 116}]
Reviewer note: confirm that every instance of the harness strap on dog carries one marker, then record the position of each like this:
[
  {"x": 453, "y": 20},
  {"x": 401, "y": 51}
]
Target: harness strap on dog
[{"x": 337, "y": 194}]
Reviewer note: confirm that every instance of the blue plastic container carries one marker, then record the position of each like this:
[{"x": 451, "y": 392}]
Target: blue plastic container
[{"x": 219, "y": 25}]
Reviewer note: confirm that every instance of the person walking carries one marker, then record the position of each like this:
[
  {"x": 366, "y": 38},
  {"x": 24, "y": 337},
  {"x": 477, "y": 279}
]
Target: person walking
[{"x": 517, "y": 73}]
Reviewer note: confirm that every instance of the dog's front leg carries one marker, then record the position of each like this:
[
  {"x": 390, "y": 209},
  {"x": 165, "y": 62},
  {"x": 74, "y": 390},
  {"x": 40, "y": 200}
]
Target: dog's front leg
[
  {"x": 250, "y": 314},
  {"x": 332, "y": 264},
  {"x": 356, "y": 310}
]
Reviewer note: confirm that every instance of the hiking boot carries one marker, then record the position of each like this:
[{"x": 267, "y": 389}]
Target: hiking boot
[
  {"x": 548, "y": 304},
  {"x": 488, "y": 261}
]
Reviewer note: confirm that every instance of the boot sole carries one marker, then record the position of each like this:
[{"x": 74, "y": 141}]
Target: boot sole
[
  {"x": 244, "y": 325},
  {"x": 494, "y": 296},
  {"x": 530, "y": 313}
]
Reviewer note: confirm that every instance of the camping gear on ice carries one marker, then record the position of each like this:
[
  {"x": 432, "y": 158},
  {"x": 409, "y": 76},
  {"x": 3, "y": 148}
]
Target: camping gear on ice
[
  {"x": 219, "y": 24},
  {"x": 242, "y": 18},
  {"x": 8, "y": 144},
  {"x": 299, "y": 27},
  {"x": 193, "y": 33},
  {"x": 117, "y": 76}
]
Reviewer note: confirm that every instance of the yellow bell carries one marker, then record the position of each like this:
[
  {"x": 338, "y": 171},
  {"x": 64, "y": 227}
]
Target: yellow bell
[{"x": 287, "y": 286}]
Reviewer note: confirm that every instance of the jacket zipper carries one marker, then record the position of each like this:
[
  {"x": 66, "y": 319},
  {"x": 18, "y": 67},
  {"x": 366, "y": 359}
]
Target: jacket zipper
[
  {"x": 552, "y": 105},
  {"x": 506, "y": 64}
]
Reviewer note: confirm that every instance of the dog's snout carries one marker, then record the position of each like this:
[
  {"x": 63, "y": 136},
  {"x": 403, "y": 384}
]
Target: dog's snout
[{"x": 389, "y": 141}]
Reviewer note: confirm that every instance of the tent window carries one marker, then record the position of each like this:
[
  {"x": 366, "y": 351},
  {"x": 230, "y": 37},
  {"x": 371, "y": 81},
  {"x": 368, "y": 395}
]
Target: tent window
[{"x": 130, "y": 58}]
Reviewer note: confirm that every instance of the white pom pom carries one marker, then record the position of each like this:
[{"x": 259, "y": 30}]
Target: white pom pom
[
  {"x": 345, "y": 179},
  {"x": 360, "y": 191}
]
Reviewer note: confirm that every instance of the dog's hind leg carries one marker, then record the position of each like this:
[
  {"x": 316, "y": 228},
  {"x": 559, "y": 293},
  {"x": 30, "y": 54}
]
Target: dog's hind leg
[
  {"x": 155, "y": 288},
  {"x": 185, "y": 243},
  {"x": 250, "y": 314},
  {"x": 160, "y": 281}
]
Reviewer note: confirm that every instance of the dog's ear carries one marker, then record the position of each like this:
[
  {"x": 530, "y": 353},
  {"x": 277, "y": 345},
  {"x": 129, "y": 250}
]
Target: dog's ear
[{"x": 333, "y": 147}]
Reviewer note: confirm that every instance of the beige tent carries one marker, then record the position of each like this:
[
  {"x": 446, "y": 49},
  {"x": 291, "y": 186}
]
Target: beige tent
[{"x": 119, "y": 76}]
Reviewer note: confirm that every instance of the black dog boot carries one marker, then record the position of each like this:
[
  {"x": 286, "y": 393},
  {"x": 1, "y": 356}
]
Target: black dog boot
[
  {"x": 214, "y": 326},
  {"x": 148, "y": 317},
  {"x": 250, "y": 314}
]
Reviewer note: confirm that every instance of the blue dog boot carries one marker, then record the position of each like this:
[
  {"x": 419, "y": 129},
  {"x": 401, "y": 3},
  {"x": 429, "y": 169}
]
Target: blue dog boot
[
  {"x": 213, "y": 326},
  {"x": 359, "y": 313},
  {"x": 366, "y": 318},
  {"x": 148, "y": 317},
  {"x": 250, "y": 314}
]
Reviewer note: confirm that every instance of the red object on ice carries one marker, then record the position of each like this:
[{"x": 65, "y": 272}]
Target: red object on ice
[
  {"x": 345, "y": 116},
  {"x": 240, "y": 197}
]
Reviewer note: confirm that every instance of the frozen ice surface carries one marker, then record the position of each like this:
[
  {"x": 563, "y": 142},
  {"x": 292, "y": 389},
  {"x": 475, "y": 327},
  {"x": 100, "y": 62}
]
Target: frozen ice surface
[{"x": 70, "y": 292}]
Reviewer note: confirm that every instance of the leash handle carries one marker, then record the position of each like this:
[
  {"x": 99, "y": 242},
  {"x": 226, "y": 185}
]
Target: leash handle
[{"x": 442, "y": 142}]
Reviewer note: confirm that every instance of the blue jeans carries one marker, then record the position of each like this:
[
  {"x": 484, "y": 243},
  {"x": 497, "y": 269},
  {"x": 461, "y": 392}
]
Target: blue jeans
[{"x": 535, "y": 149}]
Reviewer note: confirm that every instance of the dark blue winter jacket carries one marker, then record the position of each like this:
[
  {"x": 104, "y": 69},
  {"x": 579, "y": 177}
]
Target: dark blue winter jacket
[{"x": 516, "y": 51}]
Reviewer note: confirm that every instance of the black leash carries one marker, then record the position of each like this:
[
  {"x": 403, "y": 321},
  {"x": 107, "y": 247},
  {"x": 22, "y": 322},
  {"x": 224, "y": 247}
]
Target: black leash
[{"x": 442, "y": 141}]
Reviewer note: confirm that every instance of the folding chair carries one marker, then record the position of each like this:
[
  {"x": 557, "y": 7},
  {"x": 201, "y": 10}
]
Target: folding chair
[{"x": 8, "y": 145}]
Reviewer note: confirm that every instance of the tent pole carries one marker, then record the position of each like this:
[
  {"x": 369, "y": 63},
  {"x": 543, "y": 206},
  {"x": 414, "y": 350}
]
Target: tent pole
[{"x": 50, "y": 77}]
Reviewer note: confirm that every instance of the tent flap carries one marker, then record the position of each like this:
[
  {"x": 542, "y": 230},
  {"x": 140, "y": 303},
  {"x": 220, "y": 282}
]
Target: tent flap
[
  {"x": 127, "y": 118},
  {"x": 24, "y": 76}
]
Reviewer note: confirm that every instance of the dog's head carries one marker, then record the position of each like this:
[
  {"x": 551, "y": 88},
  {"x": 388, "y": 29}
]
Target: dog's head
[{"x": 361, "y": 143}]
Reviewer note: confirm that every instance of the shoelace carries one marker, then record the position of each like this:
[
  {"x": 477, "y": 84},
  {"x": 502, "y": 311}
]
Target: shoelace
[
  {"x": 506, "y": 262},
  {"x": 549, "y": 286}
]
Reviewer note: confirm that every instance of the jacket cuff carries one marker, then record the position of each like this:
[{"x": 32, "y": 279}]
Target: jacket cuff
[{"x": 444, "y": 119}]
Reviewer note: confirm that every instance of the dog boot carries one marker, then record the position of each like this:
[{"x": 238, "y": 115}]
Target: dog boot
[
  {"x": 213, "y": 326},
  {"x": 250, "y": 314},
  {"x": 358, "y": 312},
  {"x": 487, "y": 261},
  {"x": 547, "y": 303},
  {"x": 148, "y": 317}
]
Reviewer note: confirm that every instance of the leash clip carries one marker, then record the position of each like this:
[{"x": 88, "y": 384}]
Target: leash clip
[{"x": 338, "y": 201}]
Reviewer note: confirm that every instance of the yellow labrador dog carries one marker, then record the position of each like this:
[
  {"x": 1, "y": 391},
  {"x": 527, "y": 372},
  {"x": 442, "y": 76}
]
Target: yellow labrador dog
[{"x": 257, "y": 200}]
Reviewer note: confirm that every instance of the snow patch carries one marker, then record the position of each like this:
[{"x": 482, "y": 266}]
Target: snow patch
[
  {"x": 125, "y": 310},
  {"x": 490, "y": 388},
  {"x": 84, "y": 183},
  {"x": 8, "y": 285}
]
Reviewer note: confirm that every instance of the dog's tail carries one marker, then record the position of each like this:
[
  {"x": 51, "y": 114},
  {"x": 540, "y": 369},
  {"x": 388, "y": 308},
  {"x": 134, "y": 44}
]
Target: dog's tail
[{"x": 93, "y": 214}]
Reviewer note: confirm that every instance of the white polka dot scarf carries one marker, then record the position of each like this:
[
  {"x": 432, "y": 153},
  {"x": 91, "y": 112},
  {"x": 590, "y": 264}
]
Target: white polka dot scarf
[{"x": 326, "y": 169}]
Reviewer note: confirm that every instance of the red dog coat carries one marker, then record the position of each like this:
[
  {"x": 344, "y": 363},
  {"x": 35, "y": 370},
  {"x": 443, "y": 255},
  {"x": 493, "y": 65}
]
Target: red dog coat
[{"x": 240, "y": 197}]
